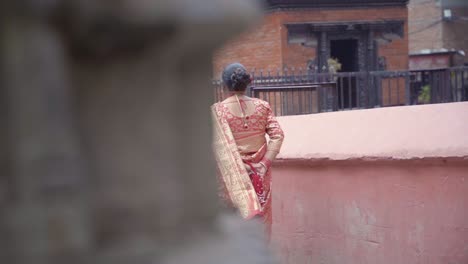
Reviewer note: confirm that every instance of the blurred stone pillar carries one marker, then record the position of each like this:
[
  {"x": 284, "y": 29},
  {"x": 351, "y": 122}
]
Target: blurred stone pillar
[
  {"x": 108, "y": 135},
  {"x": 44, "y": 218}
]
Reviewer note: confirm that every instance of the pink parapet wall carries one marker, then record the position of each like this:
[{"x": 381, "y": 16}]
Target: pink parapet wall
[
  {"x": 382, "y": 186},
  {"x": 439, "y": 130}
]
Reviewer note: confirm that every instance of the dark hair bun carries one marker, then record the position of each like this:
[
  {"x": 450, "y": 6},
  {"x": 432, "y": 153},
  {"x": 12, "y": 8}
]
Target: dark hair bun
[
  {"x": 236, "y": 78},
  {"x": 240, "y": 79}
]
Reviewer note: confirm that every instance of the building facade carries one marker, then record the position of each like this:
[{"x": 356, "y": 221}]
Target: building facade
[
  {"x": 437, "y": 33},
  {"x": 303, "y": 35}
]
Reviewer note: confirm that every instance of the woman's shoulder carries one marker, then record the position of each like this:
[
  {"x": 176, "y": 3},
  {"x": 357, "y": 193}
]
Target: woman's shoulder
[
  {"x": 217, "y": 107},
  {"x": 261, "y": 102}
]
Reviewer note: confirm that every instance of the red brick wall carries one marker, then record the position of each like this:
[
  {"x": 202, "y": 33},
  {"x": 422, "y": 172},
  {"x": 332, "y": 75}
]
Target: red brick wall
[
  {"x": 266, "y": 47},
  {"x": 425, "y": 26},
  {"x": 396, "y": 54},
  {"x": 296, "y": 55},
  {"x": 427, "y": 30},
  {"x": 258, "y": 48},
  {"x": 455, "y": 33}
]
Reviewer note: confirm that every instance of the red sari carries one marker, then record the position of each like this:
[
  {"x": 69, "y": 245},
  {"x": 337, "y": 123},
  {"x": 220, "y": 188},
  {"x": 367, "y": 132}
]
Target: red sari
[{"x": 240, "y": 140}]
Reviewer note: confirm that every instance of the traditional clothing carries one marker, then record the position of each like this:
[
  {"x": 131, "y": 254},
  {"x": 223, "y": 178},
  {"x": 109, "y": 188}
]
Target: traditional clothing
[{"x": 240, "y": 127}]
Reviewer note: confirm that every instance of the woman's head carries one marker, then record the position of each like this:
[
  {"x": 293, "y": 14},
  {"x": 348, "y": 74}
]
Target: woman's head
[{"x": 236, "y": 78}]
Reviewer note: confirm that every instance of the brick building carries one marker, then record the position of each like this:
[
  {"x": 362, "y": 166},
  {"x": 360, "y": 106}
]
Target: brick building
[
  {"x": 362, "y": 34},
  {"x": 437, "y": 33}
]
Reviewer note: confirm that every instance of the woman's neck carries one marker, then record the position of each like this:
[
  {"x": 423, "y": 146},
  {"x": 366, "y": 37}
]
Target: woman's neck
[{"x": 239, "y": 94}]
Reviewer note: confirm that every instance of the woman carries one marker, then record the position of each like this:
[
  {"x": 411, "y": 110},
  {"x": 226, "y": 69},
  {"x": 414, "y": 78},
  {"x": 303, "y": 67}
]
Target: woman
[{"x": 242, "y": 152}]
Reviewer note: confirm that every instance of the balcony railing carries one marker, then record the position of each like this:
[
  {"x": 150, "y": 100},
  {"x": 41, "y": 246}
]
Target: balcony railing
[{"x": 294, "y": 93}]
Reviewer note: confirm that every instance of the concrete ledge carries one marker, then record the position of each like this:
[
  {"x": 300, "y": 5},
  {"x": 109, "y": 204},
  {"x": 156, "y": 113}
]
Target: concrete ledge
[{"x": 408, "y": 132}]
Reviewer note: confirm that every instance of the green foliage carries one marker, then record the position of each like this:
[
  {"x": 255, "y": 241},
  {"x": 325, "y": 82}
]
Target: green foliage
[{"x": 425, "y": 94}]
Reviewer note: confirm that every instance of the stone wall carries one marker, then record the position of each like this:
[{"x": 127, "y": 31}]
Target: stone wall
[{"x": 105, "y": 146}]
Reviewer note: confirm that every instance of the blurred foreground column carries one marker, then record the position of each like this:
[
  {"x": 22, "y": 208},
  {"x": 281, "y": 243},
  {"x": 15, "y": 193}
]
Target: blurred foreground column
[{"x": 106, "y": 143}]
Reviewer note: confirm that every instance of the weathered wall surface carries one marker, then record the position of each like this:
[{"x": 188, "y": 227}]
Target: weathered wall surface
[
  {"x": 365, "y": 212},
  {"x": 374, "y": 186}
]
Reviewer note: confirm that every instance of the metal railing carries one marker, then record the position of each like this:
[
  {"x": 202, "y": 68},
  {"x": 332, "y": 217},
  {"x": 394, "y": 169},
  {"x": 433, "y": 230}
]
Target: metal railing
[{"x": 293, "y": 93}]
